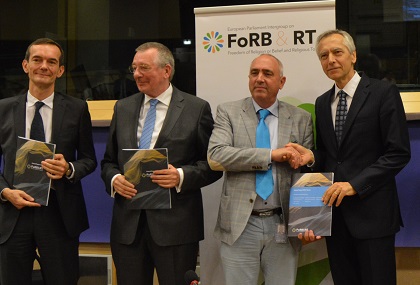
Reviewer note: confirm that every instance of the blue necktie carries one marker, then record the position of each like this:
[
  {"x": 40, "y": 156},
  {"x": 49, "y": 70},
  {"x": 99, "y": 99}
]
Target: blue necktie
[
  {"x": 149, "y": 125},
  {"x": 264, "y": 179},
  {"x": 341, "y": 114},
  {"x": 37, "y": 126}
]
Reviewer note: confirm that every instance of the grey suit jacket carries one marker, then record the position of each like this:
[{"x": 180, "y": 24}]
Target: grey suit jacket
[
  {"x": 185, "y": 132},
  {"x": 72, "y": 134},
  {"x": 232, "y": 149}
]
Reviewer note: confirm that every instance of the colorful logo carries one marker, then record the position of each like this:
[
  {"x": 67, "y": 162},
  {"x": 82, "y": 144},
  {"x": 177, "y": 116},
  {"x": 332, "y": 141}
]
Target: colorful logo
[{"x": 213, "y": 42}]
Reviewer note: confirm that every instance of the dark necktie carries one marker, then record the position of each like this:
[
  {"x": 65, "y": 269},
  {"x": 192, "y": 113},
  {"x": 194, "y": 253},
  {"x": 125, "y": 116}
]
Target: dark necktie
[
  {"x": 341, "y": 114},
  {"x": 149, "y": 125},
  {"x": 37, "y": 127},
  {"x": 264, "y": 179}
]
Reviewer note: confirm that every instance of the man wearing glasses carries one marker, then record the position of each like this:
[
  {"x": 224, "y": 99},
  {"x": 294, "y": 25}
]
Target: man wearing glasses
[{"x": 165, "y": 239}]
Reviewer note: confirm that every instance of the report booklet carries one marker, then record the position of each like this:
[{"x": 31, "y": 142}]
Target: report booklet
[
  {"x": 139, "y": 166},
  {"x": 29, "y": 175},
  {"x": 306, "y": 209}
]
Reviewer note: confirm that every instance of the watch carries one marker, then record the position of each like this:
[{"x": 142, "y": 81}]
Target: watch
[{"x": 69, "y": 171}]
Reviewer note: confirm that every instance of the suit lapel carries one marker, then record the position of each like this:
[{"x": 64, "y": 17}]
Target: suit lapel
[
  {"x": 20, "y": 116},
  {"x": 57, "y": 116},
  {"x": 132, "y": 116},
  {"x": 250, "y": 120},
  {"x": 325, "y": 120},
  {"x": 359, "y": 99},
  {"x": 284, "y": 126},
  {"x": 174, "y": 111}
]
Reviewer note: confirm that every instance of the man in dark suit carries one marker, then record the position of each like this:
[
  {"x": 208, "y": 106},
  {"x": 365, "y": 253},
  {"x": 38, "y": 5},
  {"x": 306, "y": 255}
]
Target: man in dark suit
[
  {"x": 24, "y": 225},
  {"x": 365, "y": 156},
  {"x": 165, "y": 239}
]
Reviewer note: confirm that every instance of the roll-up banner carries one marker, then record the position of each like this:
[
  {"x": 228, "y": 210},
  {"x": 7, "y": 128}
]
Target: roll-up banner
[{"x": 228, "y": 38}]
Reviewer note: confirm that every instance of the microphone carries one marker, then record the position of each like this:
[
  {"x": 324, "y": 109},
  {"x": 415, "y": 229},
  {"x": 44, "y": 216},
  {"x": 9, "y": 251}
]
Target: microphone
[{"x": 191, "y": 278}]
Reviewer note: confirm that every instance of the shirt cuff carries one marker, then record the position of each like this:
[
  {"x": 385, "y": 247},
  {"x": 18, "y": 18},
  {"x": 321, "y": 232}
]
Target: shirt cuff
[
  {"x": 72, "y": 171},
  {"x": 112, "y": 187},
  {"x": 313, "y": 162},
  {"x": 181, "y": 180},
  {"x": 1, "y": 196}
]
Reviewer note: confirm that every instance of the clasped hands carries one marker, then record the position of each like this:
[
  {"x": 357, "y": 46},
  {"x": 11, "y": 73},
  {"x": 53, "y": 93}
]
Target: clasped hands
[
  {"x": 293, "y": 153},
  {"x": 55, "y": 169},
  {"x": 166, "y": 178}
]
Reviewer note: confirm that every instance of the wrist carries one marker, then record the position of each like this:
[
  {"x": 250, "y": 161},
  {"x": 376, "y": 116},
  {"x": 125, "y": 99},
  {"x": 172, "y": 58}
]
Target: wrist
[
  {"x": 69, "y": 170},
  {"x": 311, "y": 161}
]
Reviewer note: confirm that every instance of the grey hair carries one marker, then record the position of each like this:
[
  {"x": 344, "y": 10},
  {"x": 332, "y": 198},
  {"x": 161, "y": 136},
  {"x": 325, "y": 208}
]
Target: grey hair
[
  {"x": 278, "y": 61},
  {"x": 165, "y": 56},
  {"x": 347, "y": 39}
]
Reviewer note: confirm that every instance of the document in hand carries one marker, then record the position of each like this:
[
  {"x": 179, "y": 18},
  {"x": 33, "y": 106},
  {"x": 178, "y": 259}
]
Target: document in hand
[
  {"x": 139, "y": 166},
  {"x": 306, "y": 209},
  {"x": 29, "y": 175}
]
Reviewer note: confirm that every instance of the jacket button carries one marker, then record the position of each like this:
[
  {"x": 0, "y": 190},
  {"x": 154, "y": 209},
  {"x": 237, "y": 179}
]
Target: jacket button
[{"x": 251, "y": 200}]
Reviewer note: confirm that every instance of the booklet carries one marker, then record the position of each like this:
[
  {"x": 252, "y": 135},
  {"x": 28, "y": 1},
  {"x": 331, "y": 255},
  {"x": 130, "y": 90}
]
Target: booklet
[
  {"x": 29, "y": 175},
  {"x": 306, "y": 209},
  {"x": 139, "y": 166}
]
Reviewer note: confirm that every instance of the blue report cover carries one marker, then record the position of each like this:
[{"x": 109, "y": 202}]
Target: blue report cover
[{"x": 306, "y": 209}]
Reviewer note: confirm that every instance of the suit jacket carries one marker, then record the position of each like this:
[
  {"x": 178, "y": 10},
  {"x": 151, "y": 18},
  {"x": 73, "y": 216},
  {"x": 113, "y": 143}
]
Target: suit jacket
[
  {"x": 232, "y": 149},
  {"x": 374, "y": 148},
  {"x": 72, "y": 134},
  {"x": 185, "y": 132}
]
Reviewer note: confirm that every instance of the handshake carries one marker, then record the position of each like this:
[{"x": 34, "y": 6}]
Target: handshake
[{"x": 293, "y": 153}]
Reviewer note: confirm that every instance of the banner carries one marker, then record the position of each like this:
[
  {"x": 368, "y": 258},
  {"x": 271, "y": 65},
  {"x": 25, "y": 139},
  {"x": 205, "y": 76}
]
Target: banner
[{"x": 227, "y": 40}]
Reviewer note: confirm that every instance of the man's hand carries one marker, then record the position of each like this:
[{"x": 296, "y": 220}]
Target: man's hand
[
  {"x": 166, "y": 178},
  {"x": 19, "y": 198},
  {"x": 123, "y": 187},
  {"x": 306, "y": 155},
  {"x": 337, "y": 192},
  {"x": 56, "y": 168},
  {"x": 286, "y": 154},
  {"x": 308, "y": 237}
]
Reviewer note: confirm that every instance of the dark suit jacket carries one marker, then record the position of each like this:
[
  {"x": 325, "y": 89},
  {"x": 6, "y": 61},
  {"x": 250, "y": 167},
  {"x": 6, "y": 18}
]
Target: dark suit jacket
[
  {"x": 375, "y": 147},
  {"x": 185, "y": 132},
  {"x": 72, "y": 134}
]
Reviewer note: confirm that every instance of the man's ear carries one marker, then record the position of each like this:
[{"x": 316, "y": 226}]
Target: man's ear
[
  {"x": 25, "y": 66},
  {"x": 60, "y": 71}
]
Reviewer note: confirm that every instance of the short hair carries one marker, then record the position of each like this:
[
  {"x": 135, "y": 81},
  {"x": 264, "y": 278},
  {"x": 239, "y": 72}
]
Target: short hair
[
  {"x": 165, "y": 56},
  {"x": 347, "y": 39},
  {"x": 278, "y": 61},
  {"x": 45, "y": 41}
]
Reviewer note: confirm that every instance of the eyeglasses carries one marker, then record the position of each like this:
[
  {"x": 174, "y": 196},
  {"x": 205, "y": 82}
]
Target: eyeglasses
[{"x": 141, "y": 68}]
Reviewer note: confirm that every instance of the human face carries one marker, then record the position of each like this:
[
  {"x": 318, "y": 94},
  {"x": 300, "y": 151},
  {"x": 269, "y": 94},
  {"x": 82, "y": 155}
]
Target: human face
[
  {"x": 43, "y": 66},
  {"x": 336, "y": 59},
  {"x": 265, "y": 80},
  {"x": 151, "y": 78}
]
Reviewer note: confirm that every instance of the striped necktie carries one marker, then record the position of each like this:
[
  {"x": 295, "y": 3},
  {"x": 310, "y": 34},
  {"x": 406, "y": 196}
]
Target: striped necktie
[{"x": 149, "y": 125}]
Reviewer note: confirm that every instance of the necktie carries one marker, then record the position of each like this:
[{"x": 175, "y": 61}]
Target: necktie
[
  {"x": 264, "y": 179},
  {"x": 341, "y": 114},
  {"x": 149, "y": 125},
  {"x": 37, "y": 126}
]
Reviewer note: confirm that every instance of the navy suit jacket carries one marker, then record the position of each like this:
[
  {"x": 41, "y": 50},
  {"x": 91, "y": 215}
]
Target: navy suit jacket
[
  {"x": 185, "y": 132},
  {"x": 375, "y": 147},
  {"x": 72, "y": 134}
]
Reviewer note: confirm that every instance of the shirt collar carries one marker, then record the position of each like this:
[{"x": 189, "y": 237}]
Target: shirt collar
[
  {"x": 164, "y": 98},
  {"x": 47, "y": 101},
  {"x": 274, "y": 109},
  {"x": 350, "y": 87}
]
